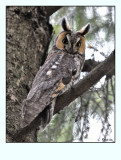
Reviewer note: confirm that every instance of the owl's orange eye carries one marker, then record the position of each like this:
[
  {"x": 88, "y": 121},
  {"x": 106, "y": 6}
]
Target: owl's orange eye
[
  {"x": 78, "y": 44},
  {"x": 65, "y": 40}
]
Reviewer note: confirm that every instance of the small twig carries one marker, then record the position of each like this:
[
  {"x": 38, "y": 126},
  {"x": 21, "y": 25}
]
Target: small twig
[{"x": 95, "y": 49}]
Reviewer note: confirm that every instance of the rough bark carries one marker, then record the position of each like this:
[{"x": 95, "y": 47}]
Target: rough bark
[{"x": 28, "y": 34}]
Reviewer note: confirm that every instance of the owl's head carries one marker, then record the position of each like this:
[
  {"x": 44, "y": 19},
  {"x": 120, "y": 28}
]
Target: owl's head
[{"x": 70, "y": 41}]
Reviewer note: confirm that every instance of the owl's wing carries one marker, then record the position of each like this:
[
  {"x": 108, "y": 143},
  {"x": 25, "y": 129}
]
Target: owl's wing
[{"x": 49, "y": 82}]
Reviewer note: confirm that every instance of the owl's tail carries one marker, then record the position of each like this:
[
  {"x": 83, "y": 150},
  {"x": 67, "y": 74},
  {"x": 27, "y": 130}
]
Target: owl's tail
[{"x": 31, "y": 118}]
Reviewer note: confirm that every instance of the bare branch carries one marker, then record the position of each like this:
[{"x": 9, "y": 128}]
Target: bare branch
[{"x": 89, "y": 65}]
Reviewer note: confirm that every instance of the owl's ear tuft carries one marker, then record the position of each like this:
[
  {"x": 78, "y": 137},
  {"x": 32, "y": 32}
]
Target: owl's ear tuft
[
  {"x": 65, "y": 24},
  {"x": 85, "y": 29}
]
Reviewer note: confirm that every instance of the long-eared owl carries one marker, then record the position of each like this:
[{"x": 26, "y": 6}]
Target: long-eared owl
[{"x": 60, "y": 71}]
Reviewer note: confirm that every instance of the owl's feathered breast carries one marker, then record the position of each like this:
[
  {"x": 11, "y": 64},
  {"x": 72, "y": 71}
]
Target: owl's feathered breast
[{"x": 52, "y": 79}]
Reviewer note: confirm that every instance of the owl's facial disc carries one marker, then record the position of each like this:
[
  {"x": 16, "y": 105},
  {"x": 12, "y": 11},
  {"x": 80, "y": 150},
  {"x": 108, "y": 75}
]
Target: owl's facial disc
[{"x": 73, "y": 43}]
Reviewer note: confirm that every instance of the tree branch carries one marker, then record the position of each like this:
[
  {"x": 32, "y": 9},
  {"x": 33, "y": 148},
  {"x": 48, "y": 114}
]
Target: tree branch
[
  {"x": 89, "y": 65},
  {"x": 51, "y": 9},
  {"x": 82, "y": 86},
  {"x": 65, "y": 99}
]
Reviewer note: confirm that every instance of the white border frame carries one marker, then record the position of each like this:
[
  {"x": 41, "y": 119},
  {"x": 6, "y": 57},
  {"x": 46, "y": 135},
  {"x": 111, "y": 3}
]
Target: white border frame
[{"x": 13, "y": 151}]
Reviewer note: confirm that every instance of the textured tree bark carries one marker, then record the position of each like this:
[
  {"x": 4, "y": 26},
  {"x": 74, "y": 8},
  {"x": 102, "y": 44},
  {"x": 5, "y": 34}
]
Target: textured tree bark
[{"x": 28, "y": 36}]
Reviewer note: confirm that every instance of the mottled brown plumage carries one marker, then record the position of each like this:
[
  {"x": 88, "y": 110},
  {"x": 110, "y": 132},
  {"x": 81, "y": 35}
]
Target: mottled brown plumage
[{"x": 60, "y": 71}]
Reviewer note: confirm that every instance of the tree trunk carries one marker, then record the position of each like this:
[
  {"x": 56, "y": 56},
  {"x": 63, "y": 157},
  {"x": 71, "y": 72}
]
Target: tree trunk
[{"x": 28, "y": 37}]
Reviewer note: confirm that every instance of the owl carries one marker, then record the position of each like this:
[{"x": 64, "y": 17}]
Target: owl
[{"x": 59, "y": 73}]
